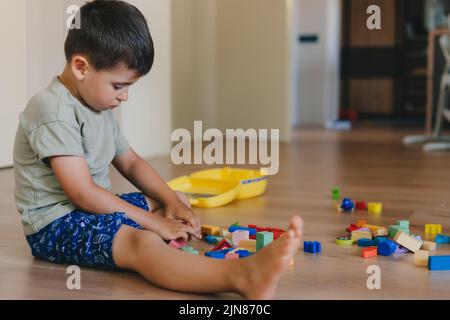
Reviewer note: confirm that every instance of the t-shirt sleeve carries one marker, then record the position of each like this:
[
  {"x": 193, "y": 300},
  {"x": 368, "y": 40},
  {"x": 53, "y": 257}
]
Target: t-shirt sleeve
[
  {"x": 120, "y": 140},
  {"x": 57, "y": 138}
]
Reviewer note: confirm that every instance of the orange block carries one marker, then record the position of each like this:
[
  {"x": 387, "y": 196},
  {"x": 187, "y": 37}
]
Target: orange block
[
  {"x": 361, "y": 222},
  {"x": 369, "y": 252}
]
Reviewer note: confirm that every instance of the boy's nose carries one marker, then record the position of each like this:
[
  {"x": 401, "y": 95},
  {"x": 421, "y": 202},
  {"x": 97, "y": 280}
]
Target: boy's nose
[{"x": 123, "y": 97}]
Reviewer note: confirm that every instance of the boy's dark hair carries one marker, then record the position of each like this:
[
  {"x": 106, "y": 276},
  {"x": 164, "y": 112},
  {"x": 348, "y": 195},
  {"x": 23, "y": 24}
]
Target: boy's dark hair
[{"x": 112, "y": 32}]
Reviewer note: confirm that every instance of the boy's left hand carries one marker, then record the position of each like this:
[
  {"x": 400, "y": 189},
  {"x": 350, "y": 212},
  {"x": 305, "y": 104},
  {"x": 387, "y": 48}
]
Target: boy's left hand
[{"x": 180, "y": 211}]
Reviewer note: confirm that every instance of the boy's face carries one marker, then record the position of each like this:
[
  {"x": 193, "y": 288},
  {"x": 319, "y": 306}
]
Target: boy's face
[{"x": 104, "y": 89}]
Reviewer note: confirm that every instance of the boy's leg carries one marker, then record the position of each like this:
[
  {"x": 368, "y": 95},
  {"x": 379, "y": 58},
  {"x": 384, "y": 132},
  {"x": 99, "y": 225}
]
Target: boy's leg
[{"x": 254, "y": 277}]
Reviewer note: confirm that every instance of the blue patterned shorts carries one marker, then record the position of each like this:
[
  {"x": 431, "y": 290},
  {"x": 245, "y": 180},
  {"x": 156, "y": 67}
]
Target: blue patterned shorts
[{"x": 82, "y": 238}]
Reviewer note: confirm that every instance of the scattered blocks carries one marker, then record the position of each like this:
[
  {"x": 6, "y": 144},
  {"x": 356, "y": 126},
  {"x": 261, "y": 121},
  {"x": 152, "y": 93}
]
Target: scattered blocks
[
  {"x": 363, "y": 242},
  {"x": 374, "y": 207},
  {"x": 360, "y": 205},
  {"x": 386, "y": 247},
  {"x": 421, "y": 258},
  {"x": 433, "y": 229},
  {"x": 369, "y": 252},
  {"x": 239, "y": 235},
  {"x": 248, "y": 244},
  {"x": 439, "y": 263},
  {"x": 263, "y": 238},
  {"x": 428, "y": 245},
  {"x": 312, "y": 246},
  {"x": 407, "y": 241},
  {"x": 361, "y": 234},
  {"x": 251, "y": 231},
  {"x": 224, "y": 244},
  {"x": 376, "y": 230},
  {"x": 210, "y": 230},
  {"x": 442, "y": 239}
]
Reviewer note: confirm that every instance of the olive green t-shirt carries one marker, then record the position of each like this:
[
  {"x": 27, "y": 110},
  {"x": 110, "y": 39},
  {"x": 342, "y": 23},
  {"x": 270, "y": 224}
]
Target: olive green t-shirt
[{"x": 55, "y": 123}]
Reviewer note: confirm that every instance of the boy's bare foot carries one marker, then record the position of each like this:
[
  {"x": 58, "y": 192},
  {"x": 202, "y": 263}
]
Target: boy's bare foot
[{"x": 260, "y": 273}]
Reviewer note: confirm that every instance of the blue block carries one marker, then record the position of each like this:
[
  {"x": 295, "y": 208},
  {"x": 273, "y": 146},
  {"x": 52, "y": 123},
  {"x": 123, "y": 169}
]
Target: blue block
[
  {"x": 366, "y": 243},
  {"x": 312, "y": 246},
  {"x": 442, "y": 239},
  {"x": 380, "y": 239},
  {"x": 251, "y": 231},
  {"x": 439, "y": 263},
  {"x": 347, "y": 204},
  {"x": 243, "y": 253},
  {"x": 211, "y": 239},
  {"x": 386, "y": 247}
]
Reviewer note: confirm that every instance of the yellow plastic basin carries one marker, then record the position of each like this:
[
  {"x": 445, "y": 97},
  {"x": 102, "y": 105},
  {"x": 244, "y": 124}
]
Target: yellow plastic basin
[
  {"x": 206, "y": 193},
  {"x": 251, "y": 182}
]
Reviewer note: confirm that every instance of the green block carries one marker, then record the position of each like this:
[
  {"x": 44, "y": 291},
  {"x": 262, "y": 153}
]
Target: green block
[
  {"x": 394, "y": 229},
  {"x": 404, "y": 224},
  {"x": 193, "y": 251},
  {"x": 335, "y": 192},
  {"x": 187, "y": 248},
  {"x": 263, "y": 238}
]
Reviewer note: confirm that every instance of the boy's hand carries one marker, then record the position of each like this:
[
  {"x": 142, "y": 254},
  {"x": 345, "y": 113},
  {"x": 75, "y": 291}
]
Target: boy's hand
[
  {"x": 179, "y": 211},
  {"x": 171, "y": 229}
]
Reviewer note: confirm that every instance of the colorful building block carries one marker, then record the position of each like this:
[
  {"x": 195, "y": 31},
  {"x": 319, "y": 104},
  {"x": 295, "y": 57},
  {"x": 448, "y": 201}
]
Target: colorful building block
[
  {"x": 243, "y": 253},
  {"x": 249, "y": 244},
  {"x": 421, "y": 257},
  {"x": 263, "y": 238},
  {"x": 345, "y": 241},
  {"x": 251, "y": 231},
  {"x": 360, "y": 205},
  {"x": 380, "y": 239},
  {"x": 428, "y": 245},
  {"x": 212, "y": 239},
  {"x": 403, "y": 224},
  {"x": 224, "y": 244},
  {"x": 442, "y": 239},
  {"x": 439, "y": 262},
  {"x": 433, "y": 229},
  {"x": 374, "y": 207},
  {"x": 376, "y": 230},
  {"x": 407, "y": 241},
  {"x": 386, "y": 247},
  {"x": 359, "y": 234},
  {"x": 239, "y": 235},
  {"x": 210, "y": 230},
  {"x": 369, "y": 252},
  {"x": 361, "y": 223},
  {"x": 347, "y": 205},
  {"x": 400, "y": 249},
  {"x": 352, "y": 227},
  {"x": 335, "y": 193},
  {"x": 394, "y": 229},
  {"x": 312, "y": 246},
  {"x": 363, "y": 242},
  {"x": 230, "y": 255}
]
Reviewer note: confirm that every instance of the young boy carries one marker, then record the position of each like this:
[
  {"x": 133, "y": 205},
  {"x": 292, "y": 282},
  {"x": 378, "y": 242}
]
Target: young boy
[{"x": 66, "y": 139}]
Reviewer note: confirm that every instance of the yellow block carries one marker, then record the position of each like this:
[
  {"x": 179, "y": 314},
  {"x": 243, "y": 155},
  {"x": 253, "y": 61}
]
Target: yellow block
[
  {"x": 376, "y": 230},
  {"x": 361, "y": 235},
  {"x": 374, "y": 207},
  {"x": 211, "y": 230},
  {"x": 249, "y": 245},
  {"x": 433, "y": 228}
]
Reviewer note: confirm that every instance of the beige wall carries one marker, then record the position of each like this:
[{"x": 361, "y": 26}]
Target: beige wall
[{"x": 231, "y": 64}]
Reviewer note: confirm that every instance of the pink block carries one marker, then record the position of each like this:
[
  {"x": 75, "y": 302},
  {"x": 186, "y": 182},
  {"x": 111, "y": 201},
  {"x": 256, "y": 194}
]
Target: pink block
[
  {"x": 178, "y": 243},
  {"x": 239, "y": 235},
  {"x": 230, "y": 255}
]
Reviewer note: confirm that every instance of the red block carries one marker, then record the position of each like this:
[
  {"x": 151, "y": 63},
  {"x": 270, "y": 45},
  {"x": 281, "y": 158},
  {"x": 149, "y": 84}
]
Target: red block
[
  {"x": 224, "y": 244},
  {"x": 352, "y": 227},
  {"x": 369, "y": 252},
  {"x": 361, "y": 205}
]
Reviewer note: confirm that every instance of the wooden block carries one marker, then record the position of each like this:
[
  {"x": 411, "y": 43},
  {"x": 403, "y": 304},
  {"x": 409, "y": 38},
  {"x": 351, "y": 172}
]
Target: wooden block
[
  {"x": 428, "y": 245},
  {"x": 433, "y": 229},
  {"x": 210, "y": 230},
  {"x": 361, "y": 222},
  {"x": 404, "y": 224},
  {"x": 263, "y": 238},
  {"x": 393, "y": 230},
  {"x": 374, "y": 207},
  {"x": 439, "y": 263},
  {"x": 421, "y": 258},
  {"x": 249, "y": 245},
  {"x": 239, "y": 235},
  {"x": 369, "y": 252},
  {"x": 356, "y": 234},
  {"x": 407, "y": 241},
  {"x": 376, "y": 230}
]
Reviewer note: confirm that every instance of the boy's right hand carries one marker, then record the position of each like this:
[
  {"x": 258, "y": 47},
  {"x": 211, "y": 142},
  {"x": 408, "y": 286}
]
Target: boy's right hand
[{"x": 170, "y": 229}]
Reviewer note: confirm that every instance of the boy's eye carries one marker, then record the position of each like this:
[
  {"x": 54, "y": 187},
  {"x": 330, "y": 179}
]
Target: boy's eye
[{"x": 117, "y": 87}]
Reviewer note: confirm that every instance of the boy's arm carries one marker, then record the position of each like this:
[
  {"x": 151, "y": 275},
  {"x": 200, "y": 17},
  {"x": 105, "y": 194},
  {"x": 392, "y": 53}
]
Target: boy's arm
[
  {"x": 75, "y": 179},
  {"x": 145, "y": 178}
]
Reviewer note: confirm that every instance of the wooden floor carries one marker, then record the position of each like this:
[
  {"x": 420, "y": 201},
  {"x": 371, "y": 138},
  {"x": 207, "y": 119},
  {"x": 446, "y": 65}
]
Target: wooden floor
[{"x": 369, "y": 164}]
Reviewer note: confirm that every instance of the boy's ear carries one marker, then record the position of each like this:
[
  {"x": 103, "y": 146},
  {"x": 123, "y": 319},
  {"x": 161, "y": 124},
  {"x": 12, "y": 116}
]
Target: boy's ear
[{"x": 79, "y": 66}]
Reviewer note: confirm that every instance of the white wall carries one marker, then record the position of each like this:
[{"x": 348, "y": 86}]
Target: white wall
[
  {"x": 13, "y": 79},
  {"x": 316, "y": 65}
]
